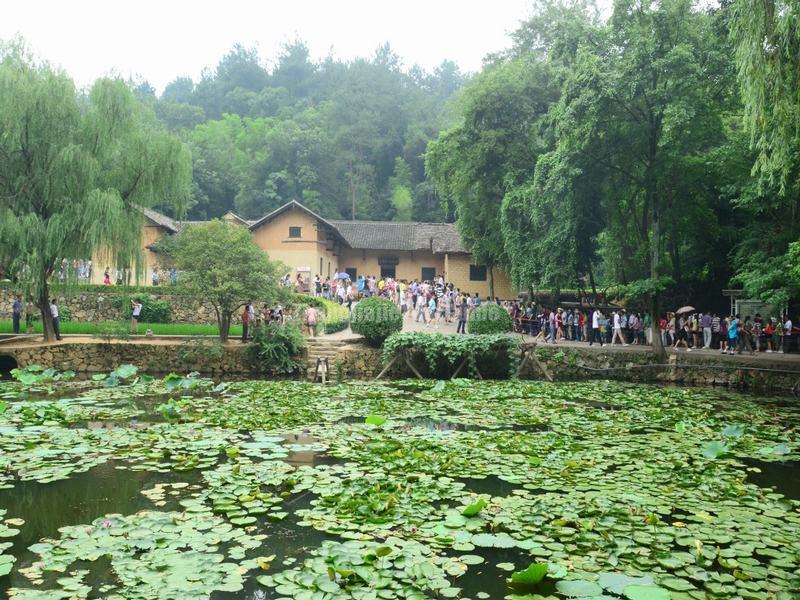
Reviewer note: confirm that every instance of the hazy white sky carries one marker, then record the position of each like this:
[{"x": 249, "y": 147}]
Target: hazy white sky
[{"x": 160, "y": 40}]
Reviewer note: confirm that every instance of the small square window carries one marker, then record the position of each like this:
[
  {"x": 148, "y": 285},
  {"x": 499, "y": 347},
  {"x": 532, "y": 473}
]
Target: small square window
[
  {"x": 294, "y": 232},
  {"x": 477, "y": 273},
  {"x": 428, "y": 273}
]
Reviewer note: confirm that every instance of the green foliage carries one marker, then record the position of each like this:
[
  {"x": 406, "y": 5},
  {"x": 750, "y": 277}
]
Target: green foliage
[
  {"x": 767, "y": 38},
  {"x": 186, "y": 329},
  {"x": 153, "y": 310},
  {"x": 376, "y": 319},
  {"x": 200, "y": 349},
  {"x": 36, "y": 374},
  {"x": 329, "y": 134},
  {"x": 221, "y": 263},
  {"x": 277, "y": 348},
  {"x": 497, "y": 355},
  {"x": 336, "y": 318},
  {"x": 489, "y": 318},
  {"x": 77, "y": 170},
  {"x": 112, "y": 330},
  {"x": 643, "y": 289}
]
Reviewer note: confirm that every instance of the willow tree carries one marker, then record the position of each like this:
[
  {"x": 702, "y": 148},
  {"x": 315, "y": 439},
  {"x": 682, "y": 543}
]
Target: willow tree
[
  {"x": 494, "y": 147},
  {"x": 767, "y": 38},
  {"x": 75, "y": 171},
  {"x": 766, "y": 34}
]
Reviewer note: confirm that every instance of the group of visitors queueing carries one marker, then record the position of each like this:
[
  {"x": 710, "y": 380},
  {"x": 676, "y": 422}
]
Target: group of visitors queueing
[{"x": 691, "y": 331}]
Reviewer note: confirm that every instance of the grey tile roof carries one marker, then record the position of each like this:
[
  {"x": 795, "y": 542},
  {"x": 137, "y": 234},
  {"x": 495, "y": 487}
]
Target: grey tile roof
[
  {"x": 370, "y": 235},
  {"x": 160, "y": 219},
  {"x": 389, "y": 235}
]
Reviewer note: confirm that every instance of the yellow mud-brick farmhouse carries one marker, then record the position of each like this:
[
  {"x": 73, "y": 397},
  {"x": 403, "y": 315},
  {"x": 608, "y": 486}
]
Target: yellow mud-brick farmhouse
[{"x": 310, "y": 245}]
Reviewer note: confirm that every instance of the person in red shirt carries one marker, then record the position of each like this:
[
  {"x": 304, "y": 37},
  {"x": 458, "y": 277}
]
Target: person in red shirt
[{"x": 245, "y": 322}]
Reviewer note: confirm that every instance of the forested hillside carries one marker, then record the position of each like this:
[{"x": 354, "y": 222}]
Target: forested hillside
[{"x": 344, "y": 138}]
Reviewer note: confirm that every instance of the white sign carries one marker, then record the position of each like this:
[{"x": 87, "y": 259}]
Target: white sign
[{"x": 303, "y": 269}]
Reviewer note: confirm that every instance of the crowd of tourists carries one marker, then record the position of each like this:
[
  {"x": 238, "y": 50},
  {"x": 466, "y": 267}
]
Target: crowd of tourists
[
  {"x": 254, "y": 317},
  {"x": 690, "y": 331},
  {"x": 431, "y": 302}
]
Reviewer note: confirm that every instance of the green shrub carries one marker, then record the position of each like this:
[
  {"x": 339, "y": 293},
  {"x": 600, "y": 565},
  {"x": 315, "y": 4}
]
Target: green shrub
[
  {"x": 112, "y": 330},
  {"x": 199, "y": 349},
  {"x": 336, "y": 318},
  {"x": 489, "y": 318},
  {"x": 153, "y": 311},
  {"x": 65, "y": 314},
  {"x": 276, "y": 347},
  {"x": 376, "y": 319},
  {"x": 437, "y": 355}
]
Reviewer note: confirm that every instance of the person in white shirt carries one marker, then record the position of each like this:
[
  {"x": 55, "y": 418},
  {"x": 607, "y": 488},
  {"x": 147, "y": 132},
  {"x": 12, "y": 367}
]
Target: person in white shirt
[
  {"x": 618, "y": 330},
  {"x": 136, "y": 312},
  {"x": 596, "y": 317},
  {"x": 56, "y": 319},
  {"x": 787, "y": 333}
]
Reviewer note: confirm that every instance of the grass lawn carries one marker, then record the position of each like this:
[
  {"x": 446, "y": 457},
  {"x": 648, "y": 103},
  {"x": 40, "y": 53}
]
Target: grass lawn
[{"x": 158, "y": 328}]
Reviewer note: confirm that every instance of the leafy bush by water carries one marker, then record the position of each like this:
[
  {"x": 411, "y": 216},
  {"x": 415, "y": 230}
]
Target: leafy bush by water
[
  {"x": 276, "y": 347},
  {"x": 498, "y": 355}
]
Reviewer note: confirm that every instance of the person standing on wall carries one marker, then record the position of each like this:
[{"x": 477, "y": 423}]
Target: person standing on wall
[
  {"x": 462, "y": 316},
  {"x": 311, "y": 320},
  {"x": 245, "y": 322},
  {"x": 56, "y": 319},
  {"x": 16, "y": 313},
  {"x": 136, "y": 312}
]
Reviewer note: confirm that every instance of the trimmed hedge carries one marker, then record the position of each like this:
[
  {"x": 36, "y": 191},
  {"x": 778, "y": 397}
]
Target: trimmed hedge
[
  {"x": 376, "y": 319},
  {"x": 489, "y": 318}
]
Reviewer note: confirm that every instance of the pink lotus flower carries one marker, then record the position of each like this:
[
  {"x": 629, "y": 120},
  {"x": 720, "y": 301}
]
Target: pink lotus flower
[
  {"x": 89, "y": 531},
  {"x": 106, "y": 523}
]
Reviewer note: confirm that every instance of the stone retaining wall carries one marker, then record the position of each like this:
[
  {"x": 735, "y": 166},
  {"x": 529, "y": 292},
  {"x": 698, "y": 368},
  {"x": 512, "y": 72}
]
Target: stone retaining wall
[
  {"x": 91, "y": 307},
  {"x": 99, "y": 357},
  {"x": 356, "y": 360}
]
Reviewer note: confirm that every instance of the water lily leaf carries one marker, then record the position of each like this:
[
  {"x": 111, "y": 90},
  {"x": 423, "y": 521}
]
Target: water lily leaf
[
  {"x": 733, "y": 431},
  {"x": 575, "y": 588},
  {"x": 646, "y": 592},
  {"x": 529, "y": 576},
  {"x": 376, "y": 420},
  {"x": 713, "y": 449},
  {"x": 471, "y": 559},
  {"x": 677, "y": 584},
  {"x": 474, "y": 508},
  {"x": 616, "y": 582}
]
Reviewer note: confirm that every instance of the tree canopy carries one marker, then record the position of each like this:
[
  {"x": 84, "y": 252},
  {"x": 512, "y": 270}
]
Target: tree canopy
[
  {"x": 599, "y": 152},
  {"x": 220, "y": 263},
  {"x": 344, "y": 138}
]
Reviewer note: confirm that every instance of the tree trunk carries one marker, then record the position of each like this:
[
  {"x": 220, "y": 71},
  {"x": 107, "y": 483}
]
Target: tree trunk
[
  {"x": 655, "y": 249},
  {"x": 44, "y": 309},
  {"x": 491, "y": 281},
  {"x": 593, "y": 284},
  {"x": 224, "y": 323}
]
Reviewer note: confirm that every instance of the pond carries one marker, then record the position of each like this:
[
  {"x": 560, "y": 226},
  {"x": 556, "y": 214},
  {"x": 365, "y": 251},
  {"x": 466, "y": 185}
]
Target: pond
[{"x": 129, "y": 487}]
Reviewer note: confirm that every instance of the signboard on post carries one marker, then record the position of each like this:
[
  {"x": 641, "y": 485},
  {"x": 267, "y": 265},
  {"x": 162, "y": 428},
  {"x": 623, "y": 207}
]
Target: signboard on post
[{"x": 304, "y": 269}]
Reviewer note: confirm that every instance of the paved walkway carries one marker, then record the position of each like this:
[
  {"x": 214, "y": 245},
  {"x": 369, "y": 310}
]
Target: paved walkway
[
  {"x": 408, "y": 325},
  {"x": 450, "y": 328}
]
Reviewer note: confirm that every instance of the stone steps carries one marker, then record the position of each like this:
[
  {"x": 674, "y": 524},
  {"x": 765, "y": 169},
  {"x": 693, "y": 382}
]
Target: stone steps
[{"x": 321, "y": 348}]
